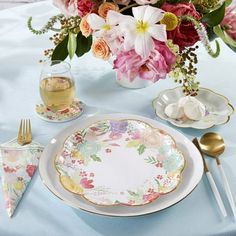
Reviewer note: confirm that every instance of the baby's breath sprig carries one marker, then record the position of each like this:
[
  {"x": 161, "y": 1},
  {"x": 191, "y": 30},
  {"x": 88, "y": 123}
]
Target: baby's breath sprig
[
  {"x": 200, "y": 28},
  {"x": 48, "y": 26}
]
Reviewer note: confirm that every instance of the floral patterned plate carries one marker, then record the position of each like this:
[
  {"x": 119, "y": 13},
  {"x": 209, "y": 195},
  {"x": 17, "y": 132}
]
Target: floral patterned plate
[
  {"x": 72, "y": 112},
  {"x": 120, "y": 162}
]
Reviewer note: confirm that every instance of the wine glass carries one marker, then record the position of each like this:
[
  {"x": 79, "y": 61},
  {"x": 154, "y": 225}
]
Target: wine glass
[{"x": 57, "y": 86}]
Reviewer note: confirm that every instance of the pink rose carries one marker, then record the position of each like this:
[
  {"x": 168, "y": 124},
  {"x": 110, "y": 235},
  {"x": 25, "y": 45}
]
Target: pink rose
[
  {"x": 229, "y": 22},
  {"x": 144, "y": 2},
  {"x": 185, "y": 34},
  {"x": 155, "y": 67},
  {"x": 67, "y": 7},
  {"x": 30, "y": 169},
  {"x": 86, "y": 183}
]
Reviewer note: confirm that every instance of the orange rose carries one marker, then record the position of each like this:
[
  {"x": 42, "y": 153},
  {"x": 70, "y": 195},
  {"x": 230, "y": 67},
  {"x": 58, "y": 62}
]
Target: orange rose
[
  {"x": 101, "y": 49},
  {"x": 85, "y": 27},
  {"x": 105, "y": 7}
]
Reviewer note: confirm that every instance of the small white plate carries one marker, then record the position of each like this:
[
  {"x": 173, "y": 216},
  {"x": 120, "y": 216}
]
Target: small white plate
[
  {"x": 218, "y": 108},
  {"x": 191, "y": 174}
]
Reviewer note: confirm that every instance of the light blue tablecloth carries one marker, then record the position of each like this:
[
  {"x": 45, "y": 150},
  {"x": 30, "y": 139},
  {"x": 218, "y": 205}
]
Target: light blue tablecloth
[{"x": 40, "y": 213}]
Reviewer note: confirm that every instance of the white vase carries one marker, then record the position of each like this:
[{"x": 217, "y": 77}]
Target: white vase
[{"x": 137, "y": 83}]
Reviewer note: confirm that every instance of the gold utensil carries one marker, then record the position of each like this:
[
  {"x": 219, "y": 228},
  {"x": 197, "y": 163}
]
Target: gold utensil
[
  {"x": 24, "y": 134},
  {"x": 213, "y": 145},
  {"x": 211, "y": 180}
]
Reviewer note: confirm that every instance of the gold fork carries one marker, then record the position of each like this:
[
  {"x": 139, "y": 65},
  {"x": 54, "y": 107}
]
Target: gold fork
[{"x": 24, "y": 134}]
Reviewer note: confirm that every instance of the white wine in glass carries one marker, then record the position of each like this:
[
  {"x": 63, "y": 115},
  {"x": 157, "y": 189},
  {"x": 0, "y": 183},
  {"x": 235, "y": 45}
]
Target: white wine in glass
[{"x": 57, "y": 87}]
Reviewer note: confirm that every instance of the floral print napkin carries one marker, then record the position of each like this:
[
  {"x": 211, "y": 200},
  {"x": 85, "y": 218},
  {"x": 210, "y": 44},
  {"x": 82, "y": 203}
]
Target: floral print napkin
[{"x": 18, "y": 165}]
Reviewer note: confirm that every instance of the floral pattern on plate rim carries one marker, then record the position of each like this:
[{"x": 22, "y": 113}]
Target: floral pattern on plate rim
[{"x": 80, "y": 149}]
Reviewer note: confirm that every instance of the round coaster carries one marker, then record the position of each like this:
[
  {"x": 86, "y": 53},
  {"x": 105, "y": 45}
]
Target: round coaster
[{"x": 69, "y": 113}]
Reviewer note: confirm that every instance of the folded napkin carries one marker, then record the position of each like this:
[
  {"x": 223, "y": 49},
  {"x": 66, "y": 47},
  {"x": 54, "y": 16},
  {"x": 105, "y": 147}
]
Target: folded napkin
[{"x": 18, "y": 167}]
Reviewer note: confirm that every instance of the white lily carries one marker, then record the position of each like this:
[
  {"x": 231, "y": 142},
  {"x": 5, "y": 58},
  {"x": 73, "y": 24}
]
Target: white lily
[
  {"x": 141, "y": 29},
  {"x": 100, "y": 26}
]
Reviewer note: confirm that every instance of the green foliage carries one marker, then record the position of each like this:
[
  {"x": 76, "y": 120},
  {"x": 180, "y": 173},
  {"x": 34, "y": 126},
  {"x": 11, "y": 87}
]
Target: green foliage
[
  {"x": 48, "y": 26},
  {"x": 83, "y": 44},
  {"x": 141, "y": 149},
  {"x": 210, "y": 33},
  {"x": 96, "y": 158},
  {"x": 151, "y": 160},
  {"x": 228, "y": 2},
  {"x": 224, "y": 36},
  {"x": 72, "y": 44},
  {"x": 60, "y": 52},
  {"x": 214, "y": 18}
]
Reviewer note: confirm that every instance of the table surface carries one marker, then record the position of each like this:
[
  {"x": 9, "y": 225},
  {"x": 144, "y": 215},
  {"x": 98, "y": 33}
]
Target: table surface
[{"x": 40, "y": 212}]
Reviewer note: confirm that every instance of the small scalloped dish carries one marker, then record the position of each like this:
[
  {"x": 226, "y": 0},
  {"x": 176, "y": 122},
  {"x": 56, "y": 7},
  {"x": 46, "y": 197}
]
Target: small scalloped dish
[
  {"x": 120, "y": 162},
  {"x": 218, "y": 108}
]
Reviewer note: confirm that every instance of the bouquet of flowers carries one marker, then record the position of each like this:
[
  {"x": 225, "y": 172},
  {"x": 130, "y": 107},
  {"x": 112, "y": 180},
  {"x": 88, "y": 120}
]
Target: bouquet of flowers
[{"x": 146, "y": 38}]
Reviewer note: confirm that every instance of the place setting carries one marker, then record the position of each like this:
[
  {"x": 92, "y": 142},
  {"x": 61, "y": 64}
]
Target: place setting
[{"x": 136, "y": 163}]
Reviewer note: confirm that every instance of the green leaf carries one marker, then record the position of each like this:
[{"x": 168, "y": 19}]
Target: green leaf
[
  {"x": 228, "y": 2},
  {"x": 60, "y": 52},
  {"x": 141, "y": 149},
  {"x": 233, "y": 48},
  {"x": 83, "y": 44},
  {"x": 151, "y": 160},
  {"x": 210, "y": 33},
  {"x": 72, "y": 43},
  {"x": 132, "y": 193},
  {"x": 224, "y": 36},
  {"x": 214, "y": 18},
  {"x": 96, "y": 158}
]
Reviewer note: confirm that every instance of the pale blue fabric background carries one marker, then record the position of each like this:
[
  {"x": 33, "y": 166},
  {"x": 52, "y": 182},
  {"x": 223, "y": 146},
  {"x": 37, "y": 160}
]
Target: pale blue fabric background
[{"x": 40, "y": 212}]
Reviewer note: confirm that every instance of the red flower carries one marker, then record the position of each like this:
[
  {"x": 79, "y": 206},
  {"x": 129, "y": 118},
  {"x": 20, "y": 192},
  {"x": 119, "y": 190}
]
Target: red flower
[
  {"x": 185, "y": 34},
  {"x": 9, "y": 169},
  {"x": 65, "y": 111},
  {"x": 30, "y": 169},
  {"x": 86, "y": 183},
  {"x": 87, "y": 6}
]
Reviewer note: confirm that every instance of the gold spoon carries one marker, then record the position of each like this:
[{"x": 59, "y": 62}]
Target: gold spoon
[
  {"x": 211, "y": 180},
  {"x": 213, "y": 145}
]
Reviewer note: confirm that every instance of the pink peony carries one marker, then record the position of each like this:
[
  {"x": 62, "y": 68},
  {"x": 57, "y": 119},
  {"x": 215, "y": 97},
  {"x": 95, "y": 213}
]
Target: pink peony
[
  {"x": 185, "y": 34},
  {"x": 155, "y": 67},
  {"x": 229, "y": 22},
  {"x": 67, "y": 7}
]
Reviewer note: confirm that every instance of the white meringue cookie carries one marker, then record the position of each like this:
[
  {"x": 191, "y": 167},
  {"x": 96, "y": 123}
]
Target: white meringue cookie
[
  {"x": 183, "y": 100},
  {"x": 194, "y": 109},
  {"x": 174, "y": 111}
]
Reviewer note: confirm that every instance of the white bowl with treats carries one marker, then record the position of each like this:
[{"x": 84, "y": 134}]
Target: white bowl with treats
[{"x": 203, "y": 111}]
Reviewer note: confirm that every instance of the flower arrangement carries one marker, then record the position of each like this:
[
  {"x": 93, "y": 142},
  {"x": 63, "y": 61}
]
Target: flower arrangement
[{"x": 149, "y": 39}]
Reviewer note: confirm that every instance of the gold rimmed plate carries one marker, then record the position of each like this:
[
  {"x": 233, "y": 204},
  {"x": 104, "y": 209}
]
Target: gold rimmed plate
[
  {"x": 218, "y": 108},
  {"x": 120, "y": 162},
  {"x": 191, "y": 174}
]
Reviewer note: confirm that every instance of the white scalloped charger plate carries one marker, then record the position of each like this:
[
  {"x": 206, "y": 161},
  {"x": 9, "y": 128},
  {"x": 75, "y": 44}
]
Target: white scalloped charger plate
[
  {"x": 218, "y": 108},
  {"x": 191, "y": 175}
]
